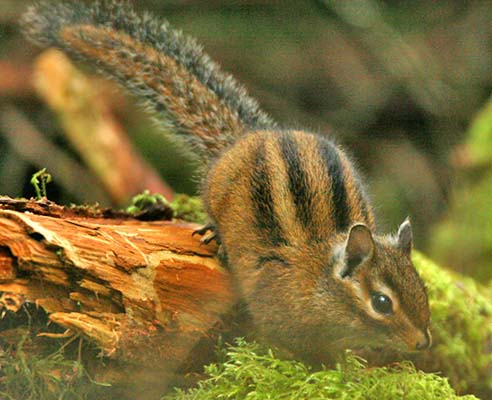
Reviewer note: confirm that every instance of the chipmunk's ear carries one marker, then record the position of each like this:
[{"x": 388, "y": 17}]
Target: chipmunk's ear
[
  {"x": 358, "y": 248},
  {"x": 405, "y": 237}
]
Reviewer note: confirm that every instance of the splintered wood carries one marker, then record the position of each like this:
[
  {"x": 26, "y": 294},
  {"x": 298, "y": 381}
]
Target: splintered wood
[{"x": 144, "y": 292}]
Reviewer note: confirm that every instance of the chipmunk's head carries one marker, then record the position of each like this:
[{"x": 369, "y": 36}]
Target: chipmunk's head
[{"x": 385, "y": 295}]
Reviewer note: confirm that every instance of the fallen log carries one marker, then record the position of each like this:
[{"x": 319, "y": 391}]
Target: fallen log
[{"x": 146, "y": 293}]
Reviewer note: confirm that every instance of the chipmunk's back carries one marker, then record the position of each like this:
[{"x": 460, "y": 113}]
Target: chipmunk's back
[{"x": 294, "y": 187}]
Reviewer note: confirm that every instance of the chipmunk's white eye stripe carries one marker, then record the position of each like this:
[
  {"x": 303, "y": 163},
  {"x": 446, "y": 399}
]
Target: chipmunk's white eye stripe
[{"x": 380, "y": 301}]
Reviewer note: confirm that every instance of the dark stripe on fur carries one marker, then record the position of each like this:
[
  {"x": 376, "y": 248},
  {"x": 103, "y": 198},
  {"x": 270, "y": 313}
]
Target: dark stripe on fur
[
  {"x": 334, "y": 167},
  {"x": 262, "y": 200},
  {"x": 363, "y": 203},
  {"x": 271, "y": 258},
  {"x": 298, "y": 180},
  {"x": 389, "y": 281}
]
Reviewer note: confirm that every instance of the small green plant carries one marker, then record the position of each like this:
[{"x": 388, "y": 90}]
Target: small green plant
[{"x": 39, "y": 181}]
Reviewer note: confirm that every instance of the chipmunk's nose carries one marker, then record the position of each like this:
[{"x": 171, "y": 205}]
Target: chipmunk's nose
[{"x": 425, "y": 341}]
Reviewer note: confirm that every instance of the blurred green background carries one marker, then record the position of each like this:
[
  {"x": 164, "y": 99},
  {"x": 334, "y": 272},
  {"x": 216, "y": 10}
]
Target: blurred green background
[{"x": 397, "y": 83}]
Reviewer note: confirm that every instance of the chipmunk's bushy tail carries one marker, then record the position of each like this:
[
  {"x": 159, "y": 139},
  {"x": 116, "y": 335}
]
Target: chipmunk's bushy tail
[{"x": 166, "y": 70}]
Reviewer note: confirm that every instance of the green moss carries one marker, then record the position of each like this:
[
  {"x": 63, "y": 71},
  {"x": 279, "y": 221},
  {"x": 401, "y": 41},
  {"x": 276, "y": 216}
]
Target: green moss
[
  {"x": 250, "y": 372},
  {"x": 461, "y": 326},
  {"x": 143, "y": 200},
  {"x": 188, "y": 208}
]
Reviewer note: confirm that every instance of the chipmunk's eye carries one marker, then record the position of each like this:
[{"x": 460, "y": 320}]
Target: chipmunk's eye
[{"x": 382, "y": 303}]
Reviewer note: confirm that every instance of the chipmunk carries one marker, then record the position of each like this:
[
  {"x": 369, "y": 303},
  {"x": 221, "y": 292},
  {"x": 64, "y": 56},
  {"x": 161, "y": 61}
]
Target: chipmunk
[{"x": 287, "y": 206}]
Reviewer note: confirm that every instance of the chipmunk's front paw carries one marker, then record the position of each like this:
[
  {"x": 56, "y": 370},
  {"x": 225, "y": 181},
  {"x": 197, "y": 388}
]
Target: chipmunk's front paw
[{"x": 208, "y": 233}]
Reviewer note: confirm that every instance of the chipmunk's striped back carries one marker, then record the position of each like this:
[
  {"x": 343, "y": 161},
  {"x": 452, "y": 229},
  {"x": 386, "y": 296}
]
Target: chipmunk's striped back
[{"x": 297, "y": 187}]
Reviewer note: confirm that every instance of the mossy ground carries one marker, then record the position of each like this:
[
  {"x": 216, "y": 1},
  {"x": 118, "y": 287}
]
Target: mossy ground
[
  {"x": 250, "y": 372},
  {"x": 461, "y": 326}
]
